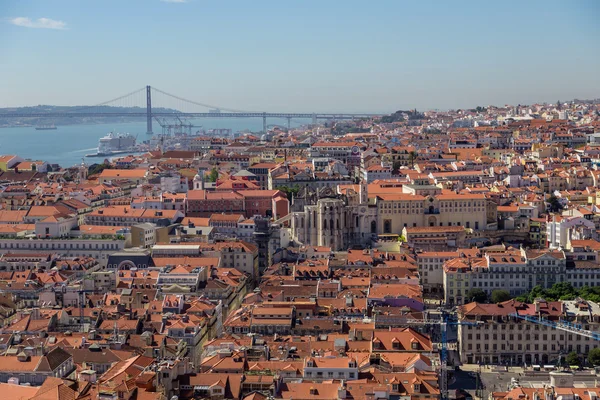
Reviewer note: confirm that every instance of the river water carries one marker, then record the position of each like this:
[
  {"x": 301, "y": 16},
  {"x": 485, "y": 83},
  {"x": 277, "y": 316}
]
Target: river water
[{"x": 68, "y": 144}]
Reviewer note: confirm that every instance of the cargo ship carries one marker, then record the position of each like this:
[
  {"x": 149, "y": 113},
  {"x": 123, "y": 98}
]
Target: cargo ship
[
  {"x": 115, "y": 143},
  {"x": 45, "y": 128}
]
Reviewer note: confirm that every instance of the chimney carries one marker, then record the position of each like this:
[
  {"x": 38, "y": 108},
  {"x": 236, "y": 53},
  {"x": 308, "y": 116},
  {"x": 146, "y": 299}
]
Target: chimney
[
  {"x": 88, "y": 376},
  {"x": 349, "y": 301}
]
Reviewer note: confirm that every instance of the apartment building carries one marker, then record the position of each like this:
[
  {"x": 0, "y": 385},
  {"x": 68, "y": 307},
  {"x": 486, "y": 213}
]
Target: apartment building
[
  {"x": 136, "y": 176},
  {"x": 272, "y": 203},
  {"x": 343, "y": 151},
  {"x": 127, "y": 216},
  {"x": 97, "y": 248},
  {"x": 501, "y": 338},
  {"x": 435, "y": 237},
  {"x": 515, "y": 271},
  {"x": 318, "y": 369},
  {"x": 431, "y": 269},
  {"x": 28, "y": 368}
]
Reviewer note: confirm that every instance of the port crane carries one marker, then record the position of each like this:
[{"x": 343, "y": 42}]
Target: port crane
[{"x": 176, "y": 127}]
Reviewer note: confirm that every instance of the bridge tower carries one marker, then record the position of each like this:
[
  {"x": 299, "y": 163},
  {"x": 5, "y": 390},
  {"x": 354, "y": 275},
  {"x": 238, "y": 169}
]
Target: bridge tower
[
  {"x": 264, "y": 117},
  {"x": 149, "y": 110}
]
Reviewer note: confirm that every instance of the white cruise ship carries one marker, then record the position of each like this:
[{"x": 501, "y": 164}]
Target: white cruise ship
[{"x": 115, "y": 143}]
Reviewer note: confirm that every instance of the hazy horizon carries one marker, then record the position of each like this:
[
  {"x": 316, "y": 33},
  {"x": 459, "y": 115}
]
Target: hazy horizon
[{"x": 301, "y": 57}]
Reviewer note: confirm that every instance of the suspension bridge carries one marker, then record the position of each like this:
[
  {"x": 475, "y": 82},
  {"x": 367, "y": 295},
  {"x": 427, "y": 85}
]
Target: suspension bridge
[{"x": 158, "y": 103}]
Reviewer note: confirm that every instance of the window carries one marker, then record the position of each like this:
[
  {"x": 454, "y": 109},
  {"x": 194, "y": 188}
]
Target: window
[{"x": 387, "y": 226}]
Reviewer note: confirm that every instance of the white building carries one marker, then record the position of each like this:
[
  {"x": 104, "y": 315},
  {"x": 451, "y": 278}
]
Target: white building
[
  {"x": 431, "y": 269},
  {"x": 174, "y": 184},
  {"x": 100, "y": 249},
  {"x": 375, "y": 172},
  {"x": 180, "y": 276},
  {"x": 562, "y": 229},
  {"x": 326, "y": 368},
  {"x": 515, "y": 271},
  {"x": 58, "y": 225}
]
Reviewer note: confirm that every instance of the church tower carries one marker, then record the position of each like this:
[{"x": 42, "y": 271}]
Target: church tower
[
  {"x": 363, "y": 191},
  {"x": 199, "y": 179}
]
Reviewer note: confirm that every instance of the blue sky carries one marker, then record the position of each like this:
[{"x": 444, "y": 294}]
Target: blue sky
[{"x": 371, "y": 56}]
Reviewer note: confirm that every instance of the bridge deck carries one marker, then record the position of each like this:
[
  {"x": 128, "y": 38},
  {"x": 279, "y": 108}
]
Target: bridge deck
[{"x": 189, "y": 115}]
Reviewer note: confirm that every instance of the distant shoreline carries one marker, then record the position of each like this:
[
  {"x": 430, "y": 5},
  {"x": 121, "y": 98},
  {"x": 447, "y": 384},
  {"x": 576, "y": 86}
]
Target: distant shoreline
[{"x": 74, "y": 124}]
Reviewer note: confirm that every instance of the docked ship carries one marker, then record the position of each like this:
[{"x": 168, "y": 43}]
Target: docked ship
[
  {"x": 45, "y": 128},
  {"x": 115, "y": 143}
]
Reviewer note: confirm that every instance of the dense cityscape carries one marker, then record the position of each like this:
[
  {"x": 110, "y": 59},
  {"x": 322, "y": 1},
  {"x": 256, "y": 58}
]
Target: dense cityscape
[
  {"x": 310, "y": 200},
  {"x": 417, "y": 255}
]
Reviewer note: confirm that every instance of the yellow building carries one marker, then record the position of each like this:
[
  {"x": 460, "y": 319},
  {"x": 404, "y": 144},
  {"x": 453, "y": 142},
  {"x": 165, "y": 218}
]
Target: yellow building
[
  {"x": 397, "y": 211},
  {"x": 9, "y": 161}
]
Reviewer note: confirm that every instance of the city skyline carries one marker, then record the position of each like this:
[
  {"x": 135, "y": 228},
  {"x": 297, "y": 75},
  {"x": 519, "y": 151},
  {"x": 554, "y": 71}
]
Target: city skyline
[{"x": 321, "y": 57}]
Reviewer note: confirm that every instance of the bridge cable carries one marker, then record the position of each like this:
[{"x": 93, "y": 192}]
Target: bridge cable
[
  {"x": 200, "y": 104},
  {"x": 112, "y": 100}
]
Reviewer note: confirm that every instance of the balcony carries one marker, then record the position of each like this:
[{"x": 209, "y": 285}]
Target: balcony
[{"x": 432, "y": 210}]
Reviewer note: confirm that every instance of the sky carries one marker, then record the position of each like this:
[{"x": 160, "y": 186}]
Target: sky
[{"x": 301, "y": 56}]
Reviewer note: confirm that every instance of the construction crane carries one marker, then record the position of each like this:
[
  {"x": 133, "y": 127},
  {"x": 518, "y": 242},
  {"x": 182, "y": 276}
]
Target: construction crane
[
  {"x": 81, "y": 292},
  {"x": 561, "y": 325},
  {"x": 443, "y": 322}
]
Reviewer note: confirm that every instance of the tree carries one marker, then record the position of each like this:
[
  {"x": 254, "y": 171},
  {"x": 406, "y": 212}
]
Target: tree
[
  {"x": 499, "y": 295},
  {"x": 561, "y": 291},
  {"x": 477, "y": 295},
  {"x": 554, "y": 204},
  {"x": 594, "y": 356},
  {"x": 573, "y": 358},
  {"x": 289, "y": 191},
  {"x": 412, "y": 156},
  {"x": 98, "y": 168},
  {"x": 214, "y": 175}
]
